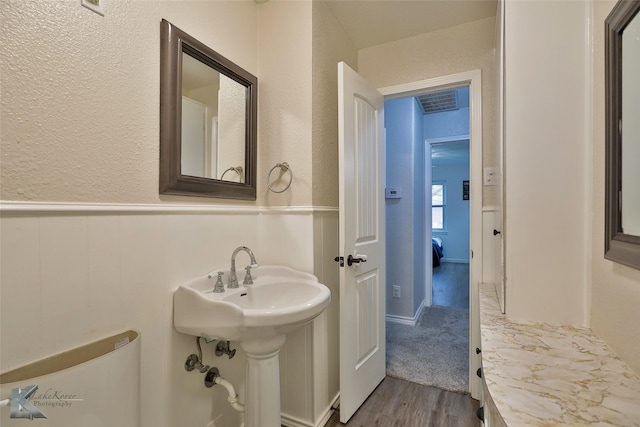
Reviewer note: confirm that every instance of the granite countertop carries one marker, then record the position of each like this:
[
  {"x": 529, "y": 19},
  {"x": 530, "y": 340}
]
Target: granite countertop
[{"x": 546, "y": 375}]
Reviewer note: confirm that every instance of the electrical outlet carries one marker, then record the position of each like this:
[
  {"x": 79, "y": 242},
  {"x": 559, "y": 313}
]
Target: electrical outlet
[{"x": 395, "y": 291}]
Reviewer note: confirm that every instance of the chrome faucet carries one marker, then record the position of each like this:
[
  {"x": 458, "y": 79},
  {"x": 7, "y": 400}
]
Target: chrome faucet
[{"x": 233, "y": 279}]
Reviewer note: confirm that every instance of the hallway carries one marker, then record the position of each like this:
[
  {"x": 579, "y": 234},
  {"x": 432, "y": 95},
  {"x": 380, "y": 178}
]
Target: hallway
[{"x": 451, "y": 285}]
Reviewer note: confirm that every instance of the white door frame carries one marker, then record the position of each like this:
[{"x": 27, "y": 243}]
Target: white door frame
[{"x": 474, "y": 80}]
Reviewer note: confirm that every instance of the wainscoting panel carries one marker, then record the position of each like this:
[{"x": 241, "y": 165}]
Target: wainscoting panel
[{"x": 72, "y": 274}]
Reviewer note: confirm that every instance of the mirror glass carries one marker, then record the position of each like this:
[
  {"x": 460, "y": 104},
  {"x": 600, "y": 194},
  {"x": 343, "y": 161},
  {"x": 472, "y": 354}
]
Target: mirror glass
[
  {"x": 622, "y": 96},
  {"x": 208, "y": 117},
  {"x": 213, "y": 130},
  {"x": 631, "y": 128}
]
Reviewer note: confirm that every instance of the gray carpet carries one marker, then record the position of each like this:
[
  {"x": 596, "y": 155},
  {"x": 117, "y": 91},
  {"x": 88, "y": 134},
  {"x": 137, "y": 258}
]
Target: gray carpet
[{"x": 434, "y": 352}]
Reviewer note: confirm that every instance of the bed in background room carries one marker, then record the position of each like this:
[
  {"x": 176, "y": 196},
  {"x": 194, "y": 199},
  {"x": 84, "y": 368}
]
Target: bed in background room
[{"x": 438, "y": 252}]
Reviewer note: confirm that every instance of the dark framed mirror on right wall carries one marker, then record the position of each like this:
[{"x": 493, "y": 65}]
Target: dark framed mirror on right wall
[{"x": 622, "y": 164}]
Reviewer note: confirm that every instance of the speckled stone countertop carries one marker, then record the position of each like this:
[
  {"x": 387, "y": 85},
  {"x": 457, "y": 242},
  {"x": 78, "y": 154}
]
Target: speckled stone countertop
[{"x": 548, "y": 375}]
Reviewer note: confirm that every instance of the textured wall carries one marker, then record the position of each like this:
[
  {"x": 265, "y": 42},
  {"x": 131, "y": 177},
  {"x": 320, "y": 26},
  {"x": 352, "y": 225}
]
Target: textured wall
[
  {"x": 330, "y": 46},
  {"x": 80, "y": 93},
  {"x": 439, "y": 53},
  {"x": 615, "y": 288},
  {"x": 284, "y": 104}
]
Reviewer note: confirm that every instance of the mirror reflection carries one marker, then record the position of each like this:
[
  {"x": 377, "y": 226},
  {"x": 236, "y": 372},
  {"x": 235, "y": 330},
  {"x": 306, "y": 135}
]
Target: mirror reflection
[
  {"x": 630, "y": 198},
  {"x": 213, "y": 123}
]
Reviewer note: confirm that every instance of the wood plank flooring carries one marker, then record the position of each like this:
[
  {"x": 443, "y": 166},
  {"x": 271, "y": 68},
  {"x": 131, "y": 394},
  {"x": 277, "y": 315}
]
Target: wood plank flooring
[
  {"x": 401, "y": 403},
  {"x": 451, "y": 285}
]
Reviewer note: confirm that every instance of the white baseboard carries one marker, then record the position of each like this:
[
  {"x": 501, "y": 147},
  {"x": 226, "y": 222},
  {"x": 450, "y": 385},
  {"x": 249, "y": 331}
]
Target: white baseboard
[
  {"x": 328, "y": 412},
  {"x": 404, "y": 320},
  {"x": 455, "y": 260},
  {"x": 291, "y": 421}
]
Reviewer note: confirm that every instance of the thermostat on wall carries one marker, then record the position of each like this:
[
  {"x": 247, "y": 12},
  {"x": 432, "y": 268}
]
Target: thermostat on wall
[{"x": 393, "y": 193}]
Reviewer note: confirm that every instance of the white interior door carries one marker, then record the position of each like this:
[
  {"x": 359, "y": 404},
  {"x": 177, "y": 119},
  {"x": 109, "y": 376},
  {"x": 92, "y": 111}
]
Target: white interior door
[{"x": 362, "y": 284}]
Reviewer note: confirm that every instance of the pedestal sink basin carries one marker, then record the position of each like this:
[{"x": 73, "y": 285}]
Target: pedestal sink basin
[{"x": 279, "y": 301}]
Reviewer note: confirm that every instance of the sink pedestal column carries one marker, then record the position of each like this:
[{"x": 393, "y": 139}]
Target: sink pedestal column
[{"x": 262, "y": 395}]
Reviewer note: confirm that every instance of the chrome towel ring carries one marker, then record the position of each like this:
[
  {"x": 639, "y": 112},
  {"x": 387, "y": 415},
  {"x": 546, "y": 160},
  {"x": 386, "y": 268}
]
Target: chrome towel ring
[
  {"x": 284, "y": 167},
  {"x": 236, "y": 169}
]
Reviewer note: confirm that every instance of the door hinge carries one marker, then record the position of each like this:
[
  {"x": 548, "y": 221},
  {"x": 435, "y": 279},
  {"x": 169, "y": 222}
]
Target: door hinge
[{"x": 339, "y": 259}]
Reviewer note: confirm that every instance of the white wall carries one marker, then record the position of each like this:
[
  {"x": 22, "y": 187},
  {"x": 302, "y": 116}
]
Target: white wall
[{"x": 547, "y": 150}]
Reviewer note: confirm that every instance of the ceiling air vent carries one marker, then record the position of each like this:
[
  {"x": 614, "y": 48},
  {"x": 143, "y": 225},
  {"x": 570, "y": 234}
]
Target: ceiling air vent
[{"x": 437, "y": 102}]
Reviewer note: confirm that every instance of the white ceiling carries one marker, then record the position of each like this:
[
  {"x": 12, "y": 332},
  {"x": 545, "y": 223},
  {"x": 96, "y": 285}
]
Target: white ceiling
[{"x": 372, "y": 22}]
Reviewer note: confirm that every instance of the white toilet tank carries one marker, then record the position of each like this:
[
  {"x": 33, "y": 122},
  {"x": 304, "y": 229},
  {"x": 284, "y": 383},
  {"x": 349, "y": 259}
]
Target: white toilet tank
[{"x": 96, "y": 385}]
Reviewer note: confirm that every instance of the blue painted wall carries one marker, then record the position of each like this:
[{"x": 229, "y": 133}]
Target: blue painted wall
[
  {"x": 443, "y": 125},
  {"x": 406, "y": 233}
]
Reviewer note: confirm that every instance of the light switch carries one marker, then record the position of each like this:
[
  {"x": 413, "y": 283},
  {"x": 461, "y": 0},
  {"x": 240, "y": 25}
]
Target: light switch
[{"x": 490, "y": 176}]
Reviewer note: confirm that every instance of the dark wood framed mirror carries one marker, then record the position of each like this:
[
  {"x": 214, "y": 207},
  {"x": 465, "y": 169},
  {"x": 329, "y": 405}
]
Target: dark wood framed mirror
[
  {"x": 208, "y": 120},
  {"x": 622, "y": 164}
]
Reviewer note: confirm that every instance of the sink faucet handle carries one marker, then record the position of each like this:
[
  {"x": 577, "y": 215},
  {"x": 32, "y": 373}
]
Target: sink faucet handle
[
  {"x": 219, "y": 287},
  {"x": 248, "y": 280}
]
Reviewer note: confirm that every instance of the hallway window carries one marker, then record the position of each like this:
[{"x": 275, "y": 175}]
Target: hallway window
[{"x": 438, "y": 199}]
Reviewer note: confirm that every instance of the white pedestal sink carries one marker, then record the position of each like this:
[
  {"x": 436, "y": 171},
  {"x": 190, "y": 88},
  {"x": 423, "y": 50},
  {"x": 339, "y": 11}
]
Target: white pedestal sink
[{"x": 279, "y": 301}]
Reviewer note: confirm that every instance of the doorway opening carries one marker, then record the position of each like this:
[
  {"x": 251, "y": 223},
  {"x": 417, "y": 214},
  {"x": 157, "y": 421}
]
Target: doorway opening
[
  {"x": 450, "y": 222},
  {"x": 428, "y": 164},
  {"x": 410, "y": 291}
]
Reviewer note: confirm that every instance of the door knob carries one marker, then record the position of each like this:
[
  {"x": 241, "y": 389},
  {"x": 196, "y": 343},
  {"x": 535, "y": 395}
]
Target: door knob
[{"x": 356, "y": 260}]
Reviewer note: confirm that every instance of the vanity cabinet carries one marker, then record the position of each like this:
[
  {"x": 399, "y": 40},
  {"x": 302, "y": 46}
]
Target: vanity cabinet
[{"x": 490, "y": 412}]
